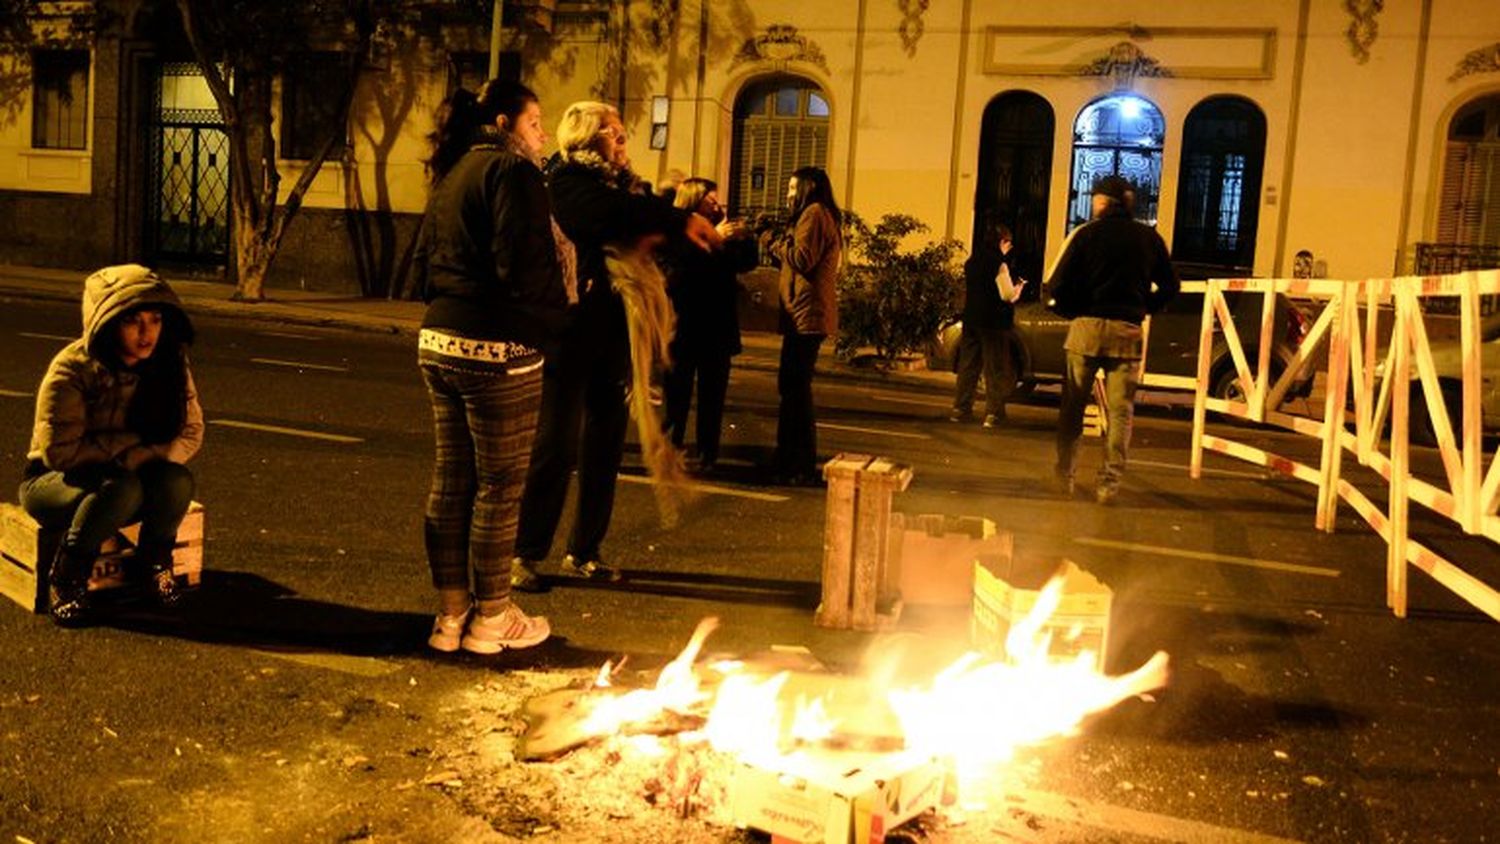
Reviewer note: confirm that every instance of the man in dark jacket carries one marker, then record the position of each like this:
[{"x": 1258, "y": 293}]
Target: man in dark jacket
[{"x": 1103, "y": 281}]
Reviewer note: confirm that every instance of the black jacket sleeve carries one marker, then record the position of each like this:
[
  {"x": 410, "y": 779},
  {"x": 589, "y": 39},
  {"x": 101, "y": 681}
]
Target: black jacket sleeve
[
  {"x": 521, "y": 242},
  {"x": 1164, "y": 275}
]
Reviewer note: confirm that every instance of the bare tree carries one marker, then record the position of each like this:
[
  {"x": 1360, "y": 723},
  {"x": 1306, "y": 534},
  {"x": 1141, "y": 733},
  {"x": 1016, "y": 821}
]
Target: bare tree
[{"x": 240, "y": 46}]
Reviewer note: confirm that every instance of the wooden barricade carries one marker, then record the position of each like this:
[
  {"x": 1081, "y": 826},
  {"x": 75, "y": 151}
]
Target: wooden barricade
[
  {"x": 26, "y": 552},
  {"x": 1470, "y": 496},
  {"x": 860, "y": 589}
]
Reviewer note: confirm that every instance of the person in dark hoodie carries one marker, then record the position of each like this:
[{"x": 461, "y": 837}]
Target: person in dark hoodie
[
  {"x": 991, "y": 287},
  {"x": 618, "y": 329},
  {"x": 117, "y": 416},
  {"x": 495, "y": 273},
  {"x": 1112, "y": 273}
]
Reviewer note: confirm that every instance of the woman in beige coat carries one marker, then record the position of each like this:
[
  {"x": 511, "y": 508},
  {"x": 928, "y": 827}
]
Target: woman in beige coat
[
  {"x": 117, "y": 416},
  {"x": 810, "y": 254}
]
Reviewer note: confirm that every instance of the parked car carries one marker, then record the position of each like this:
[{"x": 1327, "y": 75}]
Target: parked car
[
  {"x": 1448, "y": 363},
  {"x": 1172, "y": 348}
]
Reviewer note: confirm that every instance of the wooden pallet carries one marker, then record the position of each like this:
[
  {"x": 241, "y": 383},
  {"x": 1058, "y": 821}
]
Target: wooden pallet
[
  {"x": 26, "y": 552},
  {"x": 860, "y": 590}
]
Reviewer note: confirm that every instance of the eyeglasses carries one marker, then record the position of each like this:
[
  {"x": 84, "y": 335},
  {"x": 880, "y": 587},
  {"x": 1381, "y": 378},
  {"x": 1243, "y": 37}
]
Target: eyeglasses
[{"x": 616, "y": 135}]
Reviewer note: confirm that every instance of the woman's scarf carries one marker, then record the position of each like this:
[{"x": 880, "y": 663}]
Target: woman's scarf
[{"x": 650, "y": 322}]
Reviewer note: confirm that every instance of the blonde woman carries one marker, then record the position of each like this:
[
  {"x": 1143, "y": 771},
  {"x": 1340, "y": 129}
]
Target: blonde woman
[{"x": 600, "y": 203}]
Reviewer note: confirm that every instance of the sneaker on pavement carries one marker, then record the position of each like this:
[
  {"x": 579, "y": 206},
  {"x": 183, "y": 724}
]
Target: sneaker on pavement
[
  {"x": 994, "y": 420},
  {"x": 1106, "y": 495},
  {"x": 524, "y": 576},
  {"x": 958, "y": 415},
  {"x": 510, "y": 628},
  {"x": 590, "y": 569},
  {"x": 447, "y": 631}
]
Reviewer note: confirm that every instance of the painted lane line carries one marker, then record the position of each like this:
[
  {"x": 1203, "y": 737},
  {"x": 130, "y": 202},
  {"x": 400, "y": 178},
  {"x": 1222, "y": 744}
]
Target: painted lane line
[
  {"x": 299, "y": 365},
  {"x": 1133, "y": 822},
  {"x": 858, "y": 430},
  {"x": 1227, "y": 559},
  {"x": 905, "y": 400},
  {"x": 15, "y": 394},
  {"x": 1229, "y": 473},
  {"x": 292, "y": 432},
  {"x": 713, "y": 489},
  {"x": 35, "y": 336},
  {"x": 292, "y": 334},
  {"x": 360, "y": 666}
]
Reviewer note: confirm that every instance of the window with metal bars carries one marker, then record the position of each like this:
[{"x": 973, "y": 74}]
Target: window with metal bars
[
  {"x": 309, "y": 104},
  {"x": 780, "y": 124},
  {"x": 1223, "y": 155},
  {"x": 1117, "y": 135},
  {"x": 60, "y": 99}
]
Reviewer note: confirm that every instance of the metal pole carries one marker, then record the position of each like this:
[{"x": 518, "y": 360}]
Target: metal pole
[{"x": 496, "y": 17}]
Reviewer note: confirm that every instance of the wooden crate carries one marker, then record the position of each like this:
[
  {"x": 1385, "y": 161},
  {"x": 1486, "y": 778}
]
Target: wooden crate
[
  {"x": 26, "y": 552},
  {"x": 860, "y": 590}
]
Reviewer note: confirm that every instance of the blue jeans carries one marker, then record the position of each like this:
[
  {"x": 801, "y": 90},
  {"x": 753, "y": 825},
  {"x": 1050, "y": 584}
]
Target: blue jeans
[
  {"x": 1121, "y": 378},
  {"x": 93, "y": 502}
]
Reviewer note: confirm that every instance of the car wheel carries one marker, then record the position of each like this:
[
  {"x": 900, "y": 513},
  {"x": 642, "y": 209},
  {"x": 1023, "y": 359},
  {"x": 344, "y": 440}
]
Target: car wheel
[{"x": 1423, "y": 429}]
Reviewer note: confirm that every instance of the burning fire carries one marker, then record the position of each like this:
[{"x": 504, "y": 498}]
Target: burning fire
[{"x": 974, "y": 714}]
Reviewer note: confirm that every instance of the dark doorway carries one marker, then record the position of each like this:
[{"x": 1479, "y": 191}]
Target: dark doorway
[
  {"x": 780, "y": 124},
  {"x": 1015, "y": 172},
  {"x": 1218, "y": 198}
]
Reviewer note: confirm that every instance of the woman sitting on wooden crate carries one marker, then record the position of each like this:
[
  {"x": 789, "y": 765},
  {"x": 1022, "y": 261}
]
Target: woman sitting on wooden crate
[{"x": 116, "y": 417}]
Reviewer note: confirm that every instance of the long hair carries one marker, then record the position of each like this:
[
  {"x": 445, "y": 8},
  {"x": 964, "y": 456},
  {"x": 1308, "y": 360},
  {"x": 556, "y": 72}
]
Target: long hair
[
  {"x": 690, "y": 192},
  {"x": 464, "y": 114},
  {"x": 813, "y": 187},
  {"x": 158, "y": 408}
]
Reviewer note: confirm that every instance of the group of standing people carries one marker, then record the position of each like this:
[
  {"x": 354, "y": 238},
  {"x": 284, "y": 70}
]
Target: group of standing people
[
  {"x": 1111, "y": 274},
  {"x": 547, "y": 310}
]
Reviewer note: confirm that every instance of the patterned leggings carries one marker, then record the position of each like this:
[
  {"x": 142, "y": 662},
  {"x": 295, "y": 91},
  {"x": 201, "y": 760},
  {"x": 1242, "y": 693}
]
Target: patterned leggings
[{"x": 485, "y": 423}]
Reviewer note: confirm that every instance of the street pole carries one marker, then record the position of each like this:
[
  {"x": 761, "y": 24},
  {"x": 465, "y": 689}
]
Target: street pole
[{"x": 495, "y": 24}]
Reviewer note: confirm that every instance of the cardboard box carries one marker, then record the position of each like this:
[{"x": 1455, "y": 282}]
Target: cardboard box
[
  {"x": 1006, "y": 596},
  {"x": 838, "y": 798},
  {"x": 934, "y": 556},
  {"x": 26, "y": 552}
]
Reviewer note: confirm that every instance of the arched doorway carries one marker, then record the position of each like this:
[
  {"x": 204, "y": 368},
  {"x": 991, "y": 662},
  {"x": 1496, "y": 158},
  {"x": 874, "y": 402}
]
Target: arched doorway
[
  {"x": 1015, "y": 172},
  {"x": 1223, "y": 156},
  {"x": 1469, "y": 209},
  {"x": 1117, "y": 135},
  {"x": 780, "y": 124}
]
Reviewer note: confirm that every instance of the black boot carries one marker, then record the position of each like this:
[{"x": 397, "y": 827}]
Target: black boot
[
  {"x": 161, "y": 582},
  {"x": 68, "y": 592}
]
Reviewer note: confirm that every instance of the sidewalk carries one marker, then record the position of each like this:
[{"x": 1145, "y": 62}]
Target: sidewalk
[{"x": 297, "y": 307}]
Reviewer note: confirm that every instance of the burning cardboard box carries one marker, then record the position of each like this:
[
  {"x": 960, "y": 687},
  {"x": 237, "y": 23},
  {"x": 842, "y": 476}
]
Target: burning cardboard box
[
  {"x": 1005, "y": 592},
  {"x": 837, "y": 798}
]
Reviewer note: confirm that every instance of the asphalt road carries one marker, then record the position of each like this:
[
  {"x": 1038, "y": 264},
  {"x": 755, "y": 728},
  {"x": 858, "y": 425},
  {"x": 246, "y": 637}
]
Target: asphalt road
[{"x": 292, "y": 691}]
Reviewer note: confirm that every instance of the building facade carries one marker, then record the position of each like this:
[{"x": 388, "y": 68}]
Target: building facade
[{"x": 1365, "y": 134}]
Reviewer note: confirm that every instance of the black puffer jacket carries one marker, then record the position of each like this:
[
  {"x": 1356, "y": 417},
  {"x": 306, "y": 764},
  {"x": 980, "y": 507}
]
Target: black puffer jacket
[{"x": 486, "y": 251}]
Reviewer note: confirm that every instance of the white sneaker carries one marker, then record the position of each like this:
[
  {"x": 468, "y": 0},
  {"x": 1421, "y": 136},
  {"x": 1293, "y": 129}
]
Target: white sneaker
[
  {"x": 447, "y": 630},
  {"x": 510, "y": 628}
]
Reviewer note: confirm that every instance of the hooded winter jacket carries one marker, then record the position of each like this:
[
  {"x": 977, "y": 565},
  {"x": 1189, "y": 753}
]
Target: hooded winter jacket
[{"x": 82, "y": 404}]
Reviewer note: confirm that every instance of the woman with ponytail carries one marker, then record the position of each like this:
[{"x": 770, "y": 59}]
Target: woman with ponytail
[
  {"x": 496, "y": 273},
  {"x": 117, "y": 416}
]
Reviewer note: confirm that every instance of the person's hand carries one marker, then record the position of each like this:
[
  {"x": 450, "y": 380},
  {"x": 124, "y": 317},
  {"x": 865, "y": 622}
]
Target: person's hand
[
  {"x": 732, "y": 229},
  {"x": 702, "y": 233},
  {"x": 1006, "y": 246},
  {"x": 132, "y": 458}
]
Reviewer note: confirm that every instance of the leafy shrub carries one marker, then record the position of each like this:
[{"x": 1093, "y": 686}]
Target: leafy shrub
[{"x": 892, "y": 300}]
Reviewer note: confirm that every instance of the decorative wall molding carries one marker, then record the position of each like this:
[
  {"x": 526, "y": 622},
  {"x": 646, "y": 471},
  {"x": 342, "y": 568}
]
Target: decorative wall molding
[
  {"x": 1181, "y": 52},
  {"x": 1363, "y": 28},
  {"x": 781, "y": 43},
  {"x": 1482, "y": 60},
  {"x": 1125, "y": 63},
  {"x": 911, "y": 23}
]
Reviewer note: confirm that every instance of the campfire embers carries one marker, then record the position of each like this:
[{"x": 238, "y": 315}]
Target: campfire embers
[{"x": 820, "y": 756}]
